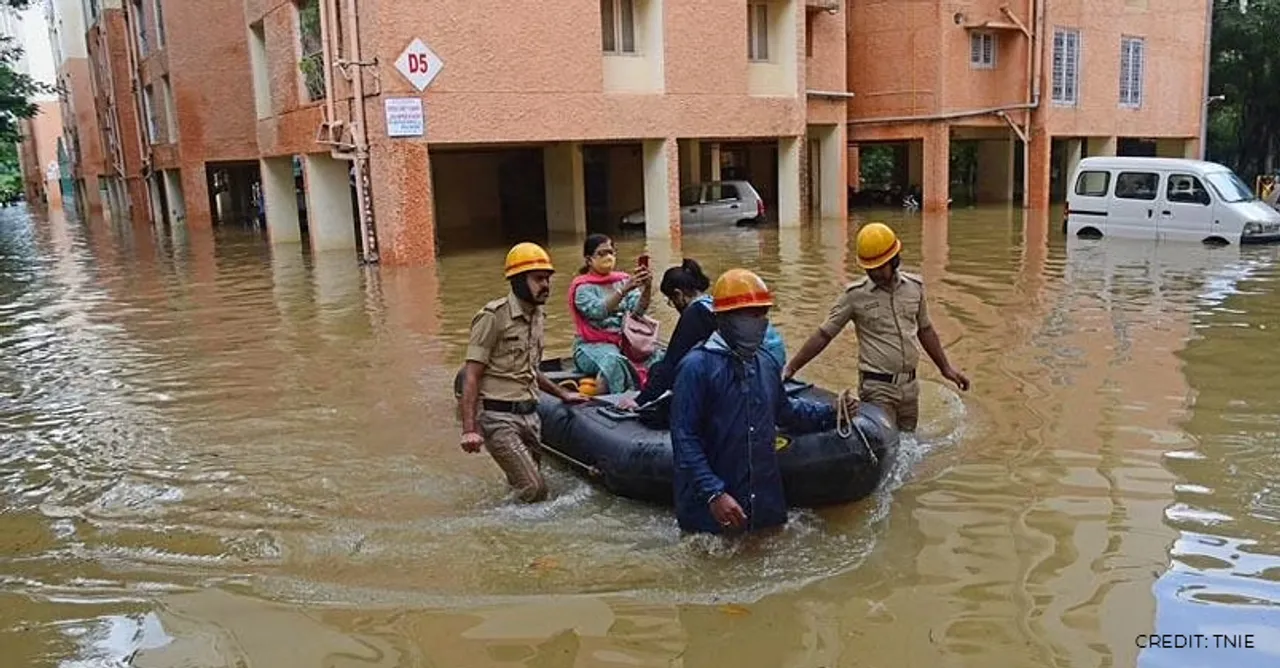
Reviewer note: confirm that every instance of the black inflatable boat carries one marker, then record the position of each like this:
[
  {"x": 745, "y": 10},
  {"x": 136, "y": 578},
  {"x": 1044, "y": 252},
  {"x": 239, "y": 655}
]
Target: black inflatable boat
[{"x": 618, "y": 450}]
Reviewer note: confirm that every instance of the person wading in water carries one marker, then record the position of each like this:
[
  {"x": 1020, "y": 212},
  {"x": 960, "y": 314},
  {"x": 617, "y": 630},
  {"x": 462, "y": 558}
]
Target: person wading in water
[
  {"x": 502, "y": 376},
  {"x": 888, "y": 309}
]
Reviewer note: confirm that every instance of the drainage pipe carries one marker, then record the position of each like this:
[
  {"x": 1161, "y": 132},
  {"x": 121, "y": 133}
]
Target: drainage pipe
[
  {"x": 359, "y": 134},
  {"x": 135, "y": 85},
  {"x": 326, "y": 55},
  {"x": 1037, "y": 43},
  {"x": 968, "y": 113},
  {"x": 1208, "y": 55}
]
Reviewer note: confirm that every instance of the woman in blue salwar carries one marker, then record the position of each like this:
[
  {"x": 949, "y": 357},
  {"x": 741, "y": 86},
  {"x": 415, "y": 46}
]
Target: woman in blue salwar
[{"x": 599, "y": 299}]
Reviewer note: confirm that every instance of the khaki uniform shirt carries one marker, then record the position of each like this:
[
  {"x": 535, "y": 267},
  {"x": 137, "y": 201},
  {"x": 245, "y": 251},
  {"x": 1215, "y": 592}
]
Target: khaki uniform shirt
[
  {"x": 508, "y": 341},
  {"x": 887, "y": 322}
]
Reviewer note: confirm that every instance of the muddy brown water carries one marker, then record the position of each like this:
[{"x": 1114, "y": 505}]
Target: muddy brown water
[{"x": 217, "y": 454}]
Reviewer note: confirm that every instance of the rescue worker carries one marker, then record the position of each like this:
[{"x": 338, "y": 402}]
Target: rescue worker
[
  {"x": 502, "y": 372},
  {"x": 727, "y": 399},
  {"x": 888, "y": 309}
]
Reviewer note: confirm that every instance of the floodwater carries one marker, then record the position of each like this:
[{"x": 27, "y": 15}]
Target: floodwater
[{"x": 216, "y": 454}]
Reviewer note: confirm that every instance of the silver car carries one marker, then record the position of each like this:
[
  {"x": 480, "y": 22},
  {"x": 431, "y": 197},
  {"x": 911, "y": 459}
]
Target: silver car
[{"x": 712, "y": 203}]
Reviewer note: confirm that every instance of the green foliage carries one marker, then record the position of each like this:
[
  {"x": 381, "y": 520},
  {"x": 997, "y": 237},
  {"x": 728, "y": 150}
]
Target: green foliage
[
  {"x": 1244, "y": 128},
  {"x": 875, "y": 165},
  {"x": 16, "y": 91}
]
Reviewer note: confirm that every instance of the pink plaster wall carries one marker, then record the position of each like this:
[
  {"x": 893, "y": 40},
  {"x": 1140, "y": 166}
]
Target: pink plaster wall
[
  {"x": 827, "y": 68},
  {"x": 909, "y": 57},
  {"x": 1174, "y": 64},
  {"x": 541, "y": 77}
]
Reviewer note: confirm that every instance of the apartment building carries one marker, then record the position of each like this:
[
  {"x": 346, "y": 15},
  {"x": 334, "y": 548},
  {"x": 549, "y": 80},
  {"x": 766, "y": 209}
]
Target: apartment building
[
  {"x": 175, "y": 114},
  {"x": 561, "y": 121},
  {"x": 110, "y": 72},
  {"x": 1035, "y": 85},
  {"x": 81, "y": 136}
]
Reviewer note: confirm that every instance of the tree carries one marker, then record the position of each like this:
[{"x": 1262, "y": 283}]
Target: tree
[
  {"x": 16, "y": 91},
  {"x": 1244, "y": 125}
]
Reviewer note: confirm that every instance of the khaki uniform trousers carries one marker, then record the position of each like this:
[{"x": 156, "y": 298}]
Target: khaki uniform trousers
[
  {"x": 901, "y": 401},
  {"x": 514, "y": 442}
]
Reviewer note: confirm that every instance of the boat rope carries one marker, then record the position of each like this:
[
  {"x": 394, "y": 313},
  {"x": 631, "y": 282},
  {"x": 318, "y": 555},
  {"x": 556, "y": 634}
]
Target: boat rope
[
  {"x": 591, "y": 470},
  {"x": 846, "y": 425}
]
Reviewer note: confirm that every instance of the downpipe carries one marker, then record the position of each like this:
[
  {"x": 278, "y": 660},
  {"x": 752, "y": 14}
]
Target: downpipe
[
  {"x": 326, "y": 55},
  {"x": 369, "y": 247},
  {"x": 135, "y": 89}
]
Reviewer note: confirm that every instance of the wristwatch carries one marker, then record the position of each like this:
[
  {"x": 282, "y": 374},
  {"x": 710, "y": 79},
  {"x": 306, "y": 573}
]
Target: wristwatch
[{"x": 712, "y": 499}]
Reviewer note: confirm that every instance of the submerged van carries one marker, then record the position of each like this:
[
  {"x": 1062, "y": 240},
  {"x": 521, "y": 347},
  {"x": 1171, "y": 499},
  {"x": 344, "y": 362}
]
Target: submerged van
[{"x": 1166, "y": 198}]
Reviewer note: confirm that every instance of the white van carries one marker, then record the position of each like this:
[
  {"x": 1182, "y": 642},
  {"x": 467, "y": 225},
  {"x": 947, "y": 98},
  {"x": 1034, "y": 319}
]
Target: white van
[{"x": 1166, "y": 198}]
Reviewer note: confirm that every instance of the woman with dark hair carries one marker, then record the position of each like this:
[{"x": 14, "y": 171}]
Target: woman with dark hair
[
  {"x": 599, "y": 299},
  {"x": 685, "y": 288}
]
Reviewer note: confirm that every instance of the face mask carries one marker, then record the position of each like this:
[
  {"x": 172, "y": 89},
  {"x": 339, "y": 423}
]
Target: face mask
[
  {"x": 743, "y": 333},
  {"x": 605, "y": 264}
]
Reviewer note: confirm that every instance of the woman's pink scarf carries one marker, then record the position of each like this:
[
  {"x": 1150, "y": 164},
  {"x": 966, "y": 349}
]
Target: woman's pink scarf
[{"x": 586, "y": 331}]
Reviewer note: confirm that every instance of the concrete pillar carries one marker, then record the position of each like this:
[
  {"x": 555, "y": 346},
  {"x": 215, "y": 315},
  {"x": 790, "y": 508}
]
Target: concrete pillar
[
  {"x": 92, "y": 195},
  {"x": 173, "y": 195},
  {"x": 832, "y": 178},
  {"x": 661, "y": 188},
  {"x": 1102, "y": 146},
  {"x": 195, "y": 193},
  {"x": 853, "y": 165},
  {"x": 329, "y": 221},
  {"x": 1039, "y": 168},
  {"x": 280, "y": 200},
  {"x": 790, "y": 201},
  {"x": 915, "y": 156},
  {"x": 402, "y": 202},
  {"x": 566, "y": 187},
  {"x": 995, "y": 170},
  {"x": 1075, "y": 153},
  {"x": 690, "y": 162},
  {"x": 153, "y": 192},
  {"x": 1191, "y": 149},
  {"x": 937, "y": 167},
  {"x": 715, "y": 162}
]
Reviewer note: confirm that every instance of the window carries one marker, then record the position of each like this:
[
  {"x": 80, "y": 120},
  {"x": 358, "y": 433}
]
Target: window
[
  {"x": 808, "y": 34},
  {"x": 1137, "y": 185},
  {"x": 1131, "y": 67},
  {"x": 159, "y": 12},
  {"x": 1093, "y": 184},
  {"x": 982, "y": 50},
  {"x": 1229, "y": 187},
  {"x": 149, "y": 109},
  {"x": 691, "y": 195},
  {"x": 757, "y": 31},
  {"x": 140, "y": 27},
  {"x": 258, "y": 64},
  {"x": 170, "y": 110},
  {"x": 311, "y": 56},
  {"x": 1066, "y": 66},
  {"x": 618, "y": 26},
  {"x": 722, "y": 192},
  {"x": 1186, "y": 189}
]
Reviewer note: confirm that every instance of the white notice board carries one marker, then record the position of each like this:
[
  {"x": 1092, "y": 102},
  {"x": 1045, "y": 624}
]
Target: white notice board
[{"x": 405, "y": 117}]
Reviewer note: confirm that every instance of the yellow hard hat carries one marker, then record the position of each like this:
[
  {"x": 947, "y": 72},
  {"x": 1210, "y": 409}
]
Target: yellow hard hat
[
  {"x": 877, "y": 244},
  {"x": 527, "y": 257},
  {"x": 739, "y": 288}
]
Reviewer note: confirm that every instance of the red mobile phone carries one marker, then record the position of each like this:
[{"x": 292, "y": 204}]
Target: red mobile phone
[{"x": 643, "y": 260}]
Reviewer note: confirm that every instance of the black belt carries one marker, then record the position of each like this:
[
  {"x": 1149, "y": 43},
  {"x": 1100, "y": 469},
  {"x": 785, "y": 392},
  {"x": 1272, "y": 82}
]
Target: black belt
[
  {"x": 890, "y": 378},
  {"x": 518, "y": 407}
]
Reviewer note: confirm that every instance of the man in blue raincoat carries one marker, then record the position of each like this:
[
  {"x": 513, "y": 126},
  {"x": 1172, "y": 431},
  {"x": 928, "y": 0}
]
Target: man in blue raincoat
[{"x": 727, "y": 399}]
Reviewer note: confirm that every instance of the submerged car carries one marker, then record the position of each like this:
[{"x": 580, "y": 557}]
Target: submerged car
[
  {"x": 712, "y": 203},
  {"x": 1166, "y": 198}
]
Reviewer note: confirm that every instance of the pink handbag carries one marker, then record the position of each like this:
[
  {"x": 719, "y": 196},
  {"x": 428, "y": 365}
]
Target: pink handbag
[{"x": 639, "y": 337}]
